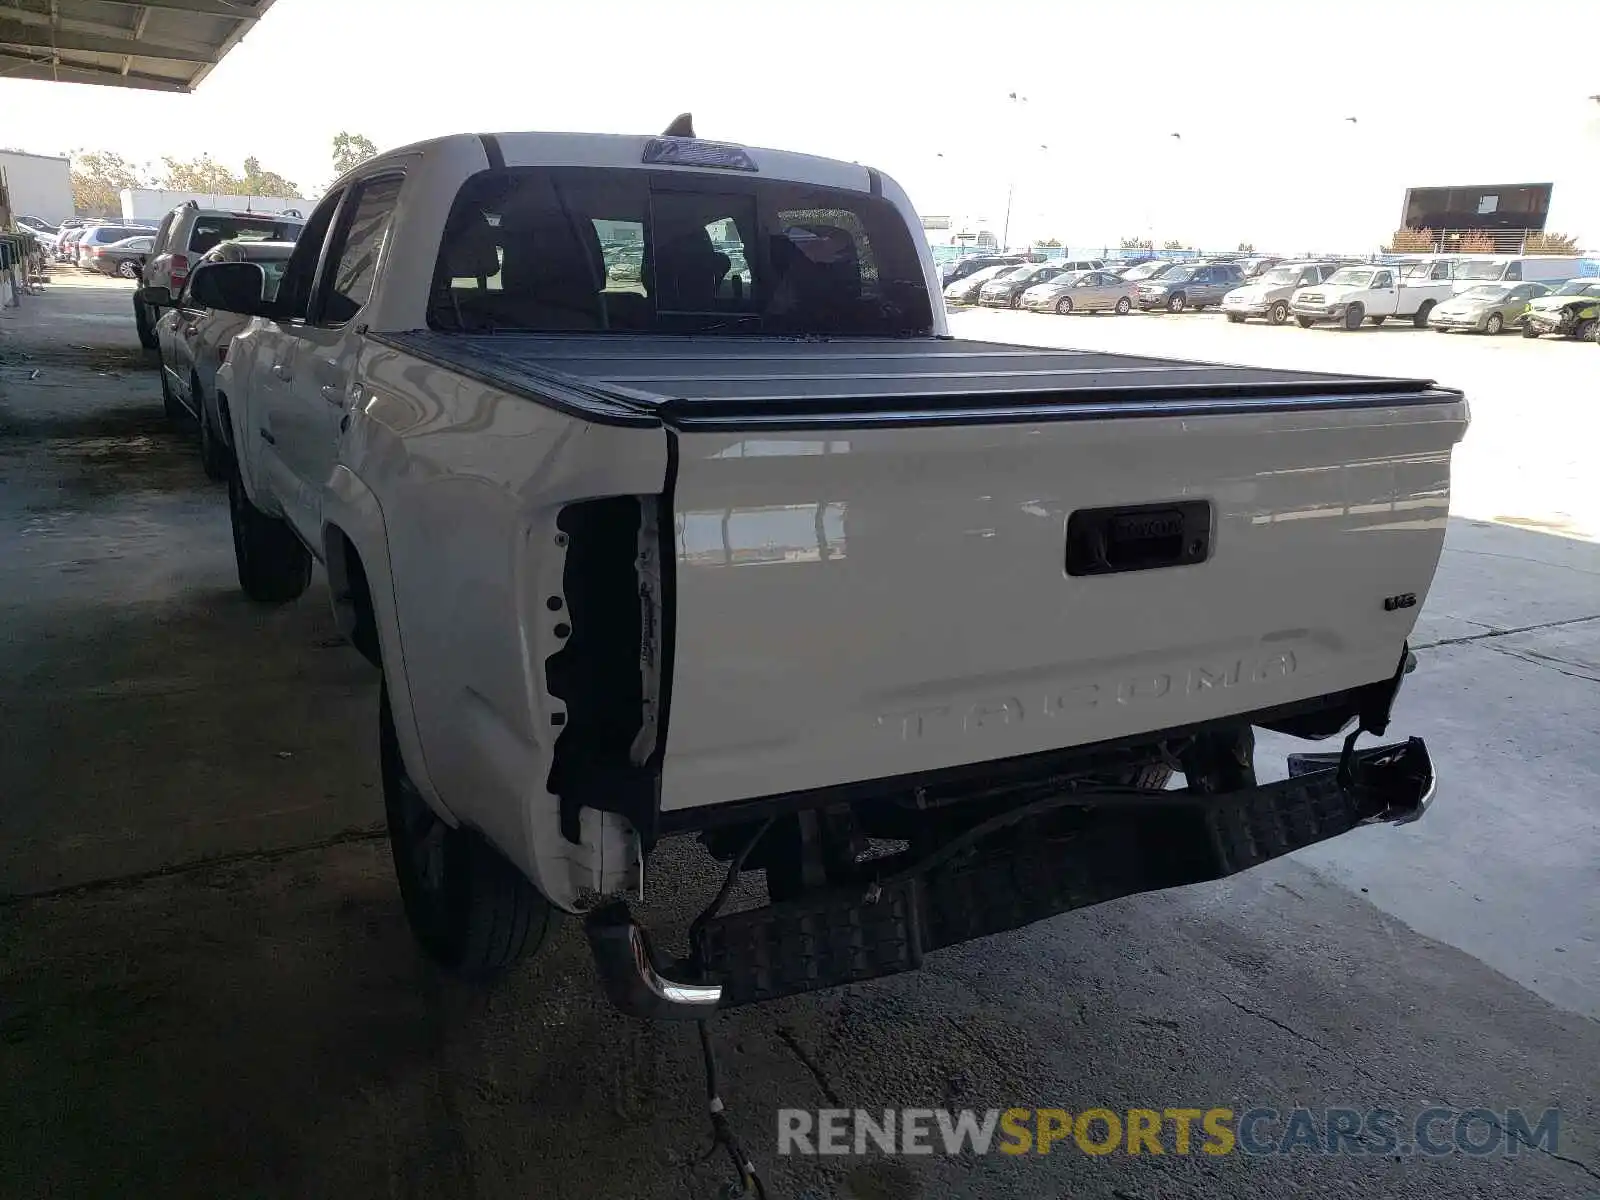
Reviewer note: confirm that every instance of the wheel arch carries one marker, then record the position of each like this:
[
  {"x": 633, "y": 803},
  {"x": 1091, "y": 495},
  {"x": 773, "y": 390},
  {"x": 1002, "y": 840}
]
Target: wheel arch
[{"x": 355, "y": 552}]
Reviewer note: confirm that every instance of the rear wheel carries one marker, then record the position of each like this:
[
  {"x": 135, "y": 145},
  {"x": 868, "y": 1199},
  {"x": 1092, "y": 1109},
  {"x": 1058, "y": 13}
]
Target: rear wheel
[
  {"x": 1354, "y": 315},
  {"x": 1278, "y": 313},
  {"x": 213, "y": 452},
  {"x": 145, "y": 326},
  {"x": 1494, "y": 324},
  {"x": 170, "y": 404},
  {"x": 1124, "y": 306},
  {"x": 1064, "y": 305},
  {"x": 470, "y": 910},
  {"x": 128, "y": 269},
  {"x": 1420, "y": 319},
  {"x": 273, "y": 566}
]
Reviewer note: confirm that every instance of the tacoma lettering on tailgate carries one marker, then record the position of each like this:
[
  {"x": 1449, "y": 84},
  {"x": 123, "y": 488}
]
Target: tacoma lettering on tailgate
[{"x": 997, "y": 711}]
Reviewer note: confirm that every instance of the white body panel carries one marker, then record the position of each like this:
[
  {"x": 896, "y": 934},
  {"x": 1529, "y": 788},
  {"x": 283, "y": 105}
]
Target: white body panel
[{"x": 923, "y": 618}]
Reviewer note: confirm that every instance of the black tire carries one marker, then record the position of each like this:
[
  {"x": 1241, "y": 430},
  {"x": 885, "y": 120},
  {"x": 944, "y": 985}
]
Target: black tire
[
  {"x": 214, "y": 456},
  {"x": 1354, "y": 315},
  {"x": 170, "y": 404},
  {"x": 1528, "y": 331},
  {"x": 1064, "y": 306},
  {"x": 145, "y": 327},
  {"x": 1494, "y": 325},
  {"x": 1124, "y": 306},
  {"x": 1014, "y": 300},
  {"x": 1304, "y": 322},
  {"x": 1420, "y": 320},
  {"x": 1583, "y": 330},
  {"x": 274, "y": 568},
  {"x": 470, "y": 910},
  {"x": 1236, "y": 318},
  {"x": 1177, "y": 302},
  {"x": 1278, "y": 313},
  {"x": 128, "y": 269}
]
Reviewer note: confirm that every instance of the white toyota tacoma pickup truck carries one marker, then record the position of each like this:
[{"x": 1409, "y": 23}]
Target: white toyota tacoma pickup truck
[
  {"x": 645, "y": 471},
  {"x": 1352, "y": 295}
]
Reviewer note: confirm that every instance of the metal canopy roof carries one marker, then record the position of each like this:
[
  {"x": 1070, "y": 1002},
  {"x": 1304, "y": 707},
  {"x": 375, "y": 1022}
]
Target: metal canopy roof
[{"x": 158, "y": 45}]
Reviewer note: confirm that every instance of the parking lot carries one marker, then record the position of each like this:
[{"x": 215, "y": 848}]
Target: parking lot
[{"x": 206, "y": 985}]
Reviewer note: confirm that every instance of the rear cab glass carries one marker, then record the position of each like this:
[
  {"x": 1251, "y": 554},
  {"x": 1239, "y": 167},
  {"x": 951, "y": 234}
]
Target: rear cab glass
[
  {"x": 581, "y": 249},
  {"x": 209, "y": 230}
]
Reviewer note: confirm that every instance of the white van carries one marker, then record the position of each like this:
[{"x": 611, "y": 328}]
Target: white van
[{"x": 1551, "y": 268}]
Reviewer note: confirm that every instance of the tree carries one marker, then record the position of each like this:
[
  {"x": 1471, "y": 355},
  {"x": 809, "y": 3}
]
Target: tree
[
  {"x": 203, "y": 174},
  {"x": 97, "y": 179},
  {"x": 1550, "y": 243},
  {"x": 1137, "y": 243},
  {"x": 1247, "y": 247},
  {"x": 266, "y": 183},
  {"x": 1411, "y": 241},
  {"x": 1050, "y": 242},
  {"x": 350, "y": 150},
  {"x": 1173, "y": 244}
]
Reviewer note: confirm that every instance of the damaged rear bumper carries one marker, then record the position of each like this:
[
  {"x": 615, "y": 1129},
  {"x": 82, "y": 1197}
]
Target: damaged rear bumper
[{"x": 1119, "y": 843}]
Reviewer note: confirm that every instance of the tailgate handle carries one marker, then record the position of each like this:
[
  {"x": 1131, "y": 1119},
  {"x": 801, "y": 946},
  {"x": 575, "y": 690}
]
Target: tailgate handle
[{"x": 1140, "y": 537}]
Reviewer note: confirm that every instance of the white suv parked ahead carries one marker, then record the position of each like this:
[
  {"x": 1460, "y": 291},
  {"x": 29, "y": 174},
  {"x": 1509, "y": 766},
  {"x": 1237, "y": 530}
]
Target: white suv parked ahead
[{"x": 186, "y": 233}]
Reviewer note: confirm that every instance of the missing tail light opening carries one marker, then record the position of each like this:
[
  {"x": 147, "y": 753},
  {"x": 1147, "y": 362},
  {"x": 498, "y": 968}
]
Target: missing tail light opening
[{"x": 608, "y": 670}]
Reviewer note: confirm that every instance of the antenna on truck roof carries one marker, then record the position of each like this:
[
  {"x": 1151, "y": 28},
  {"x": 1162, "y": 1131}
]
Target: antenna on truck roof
[{"x": 682, "y": 126}]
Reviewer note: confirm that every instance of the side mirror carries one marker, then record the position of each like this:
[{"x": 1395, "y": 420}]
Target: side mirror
[
  {"x": 155, "y": 297},
  {"x": 235, "y": 287}
]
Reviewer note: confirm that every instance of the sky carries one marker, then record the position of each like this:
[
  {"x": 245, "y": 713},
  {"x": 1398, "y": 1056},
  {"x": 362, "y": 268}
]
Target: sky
[{"x": 1260, "y": 93}]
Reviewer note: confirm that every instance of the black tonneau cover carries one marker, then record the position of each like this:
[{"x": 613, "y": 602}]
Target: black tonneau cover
[{"x": 771, "y": 382}]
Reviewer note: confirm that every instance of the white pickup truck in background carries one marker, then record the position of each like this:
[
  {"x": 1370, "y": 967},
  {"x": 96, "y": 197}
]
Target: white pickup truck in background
[
  {"x": 645, "y": 471},
  {"x": 1374, "y": 293}
]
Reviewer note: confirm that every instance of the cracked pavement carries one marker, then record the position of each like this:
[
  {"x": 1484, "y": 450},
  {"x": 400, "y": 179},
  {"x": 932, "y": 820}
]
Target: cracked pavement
[{"x": 206, "y": 986}]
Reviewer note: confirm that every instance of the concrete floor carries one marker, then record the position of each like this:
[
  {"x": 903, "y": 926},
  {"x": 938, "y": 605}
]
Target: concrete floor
[{"x": 206, "y": 987}]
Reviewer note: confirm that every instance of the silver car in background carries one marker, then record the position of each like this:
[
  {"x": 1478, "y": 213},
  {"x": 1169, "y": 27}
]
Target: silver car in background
[
  {"x": 193, "y": 343},
  {"x": 1267, "y": 296},
  {"x": 1083, "y": 291}
]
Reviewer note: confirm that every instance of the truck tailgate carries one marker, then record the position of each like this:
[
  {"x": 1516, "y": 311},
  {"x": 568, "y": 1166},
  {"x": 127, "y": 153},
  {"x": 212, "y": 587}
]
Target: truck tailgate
[
  {"x": 858, "y": 602},
  {"x": 872, "y": 571}
]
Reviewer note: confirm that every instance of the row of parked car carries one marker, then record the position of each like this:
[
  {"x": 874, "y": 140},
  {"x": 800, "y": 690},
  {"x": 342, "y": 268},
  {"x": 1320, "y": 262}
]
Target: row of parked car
[
  {"x": 185, "y": 325},
  {"x": 1485, "y": 295},
  {"x": 111, "y": 247}
]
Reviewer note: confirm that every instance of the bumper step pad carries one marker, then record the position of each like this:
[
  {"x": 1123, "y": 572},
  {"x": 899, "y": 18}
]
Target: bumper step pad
[{"x": 1036, "y": 870}]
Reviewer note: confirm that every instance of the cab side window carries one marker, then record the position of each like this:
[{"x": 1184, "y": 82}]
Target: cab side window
[
  {"x": 353, "y": 254},
  {"x": 294, "y": 290},
  {"x": 1382, "y": 280},
  {"x": 1514, "y": 271}
]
